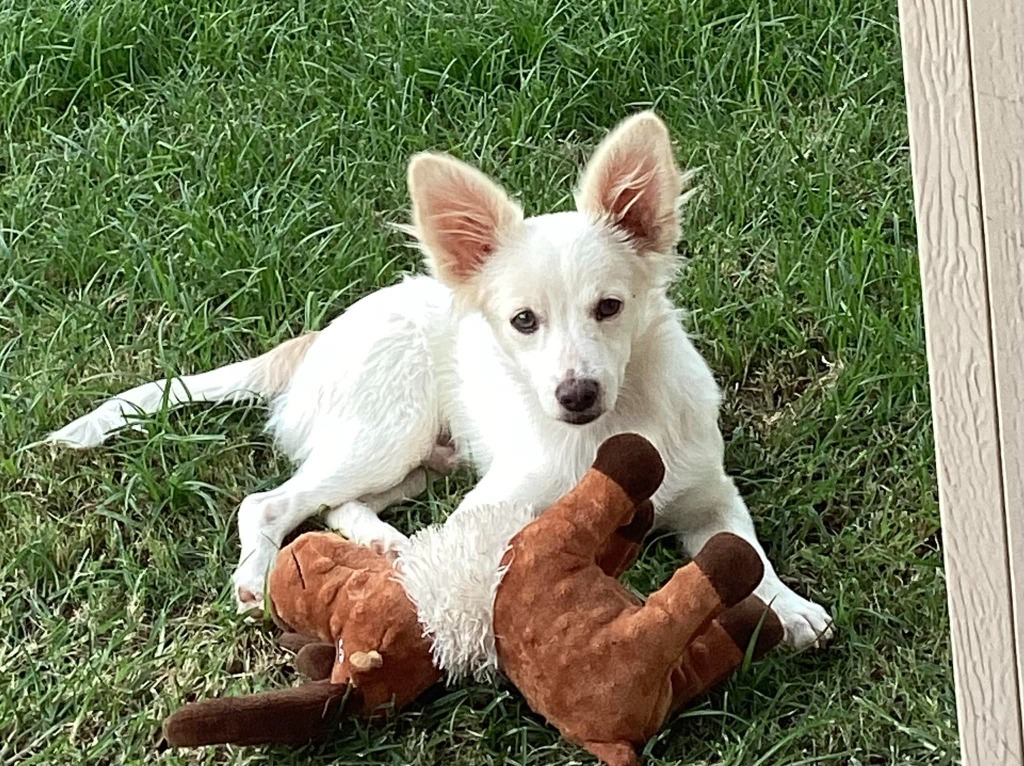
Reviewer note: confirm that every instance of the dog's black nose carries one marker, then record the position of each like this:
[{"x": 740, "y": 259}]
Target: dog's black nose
[{"x": 577, "y": 394}]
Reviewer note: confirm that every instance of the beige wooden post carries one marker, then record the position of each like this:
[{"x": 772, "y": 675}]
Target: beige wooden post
[{"x": 964, "y": 70}]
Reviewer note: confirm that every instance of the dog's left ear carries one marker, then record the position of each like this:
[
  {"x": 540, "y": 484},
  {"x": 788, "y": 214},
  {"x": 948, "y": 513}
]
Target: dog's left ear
[{"x": 632, "y": 182}]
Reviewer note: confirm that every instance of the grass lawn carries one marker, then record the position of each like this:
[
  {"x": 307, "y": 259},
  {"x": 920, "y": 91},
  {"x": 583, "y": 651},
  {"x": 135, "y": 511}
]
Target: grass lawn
[{"x": 186, "y": 183}]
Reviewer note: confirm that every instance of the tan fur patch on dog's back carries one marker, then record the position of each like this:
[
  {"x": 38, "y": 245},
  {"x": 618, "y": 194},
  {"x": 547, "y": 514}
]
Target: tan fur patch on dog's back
[{"x": 279, "y": 364}]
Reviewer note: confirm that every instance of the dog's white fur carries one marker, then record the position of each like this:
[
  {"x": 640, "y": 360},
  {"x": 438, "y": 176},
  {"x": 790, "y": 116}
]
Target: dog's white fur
[{"x": 359, "y": 406}]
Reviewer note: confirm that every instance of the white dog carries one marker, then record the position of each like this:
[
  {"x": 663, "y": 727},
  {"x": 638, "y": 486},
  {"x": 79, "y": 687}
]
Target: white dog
[{"x": 535, "y": 339}]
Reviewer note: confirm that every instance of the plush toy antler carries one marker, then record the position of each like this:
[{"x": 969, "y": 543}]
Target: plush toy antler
[{"x": 538, "y": 598}]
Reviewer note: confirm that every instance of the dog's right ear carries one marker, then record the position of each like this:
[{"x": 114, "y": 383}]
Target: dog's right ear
[{"x": 460, "y": 216}]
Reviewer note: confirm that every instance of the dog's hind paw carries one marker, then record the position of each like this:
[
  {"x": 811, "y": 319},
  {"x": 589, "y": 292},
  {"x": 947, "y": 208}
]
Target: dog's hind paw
[
  {"x": 93, "y": 429},
  {"x": 443, "y": 459}
]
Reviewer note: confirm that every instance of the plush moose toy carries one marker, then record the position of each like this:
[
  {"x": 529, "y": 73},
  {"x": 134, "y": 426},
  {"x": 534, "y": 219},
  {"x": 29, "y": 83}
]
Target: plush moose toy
[{"x": 536, "y": 598}]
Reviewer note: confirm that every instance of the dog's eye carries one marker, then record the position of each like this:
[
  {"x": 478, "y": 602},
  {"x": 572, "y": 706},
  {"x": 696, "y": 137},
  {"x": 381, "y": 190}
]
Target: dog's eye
[
  {"x": 525, "y": 321},
  {"x": 608, "y": 308}
]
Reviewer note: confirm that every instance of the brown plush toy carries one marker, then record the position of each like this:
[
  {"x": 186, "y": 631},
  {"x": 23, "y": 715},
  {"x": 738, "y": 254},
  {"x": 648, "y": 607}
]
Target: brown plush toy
[{"x": 538, "y": 599}]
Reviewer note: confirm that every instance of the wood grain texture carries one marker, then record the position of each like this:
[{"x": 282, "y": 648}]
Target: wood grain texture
[
  {"x": 948, "y": 193},
  {"x": 997, "y": 66}
]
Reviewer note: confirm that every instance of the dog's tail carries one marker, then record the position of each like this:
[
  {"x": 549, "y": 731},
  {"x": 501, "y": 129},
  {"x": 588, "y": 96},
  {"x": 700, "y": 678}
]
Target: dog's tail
[{"x": 263, "y": 377}]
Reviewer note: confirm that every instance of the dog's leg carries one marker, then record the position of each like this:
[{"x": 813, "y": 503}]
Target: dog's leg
[
  {"x": 443, "y": 458},
  {"x": 358, "y": 520},
  {"x": 505, "y": 483},
  {"x": 716, "y": 506},
  {"x": 327, "y": 478}
]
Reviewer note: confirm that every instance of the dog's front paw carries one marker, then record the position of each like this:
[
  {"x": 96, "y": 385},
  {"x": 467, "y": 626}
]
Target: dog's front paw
[
  {"x": 248, "y": 596},
  {"x": 805, "y": 624},
  {"x": 356, "y": 522},
  {"x": 387, "y": 541},
  {"x": 248, "y": 584}
]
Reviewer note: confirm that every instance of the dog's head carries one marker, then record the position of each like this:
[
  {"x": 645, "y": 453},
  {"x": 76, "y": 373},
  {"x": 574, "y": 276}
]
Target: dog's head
[{"x": 566, "y": 294}]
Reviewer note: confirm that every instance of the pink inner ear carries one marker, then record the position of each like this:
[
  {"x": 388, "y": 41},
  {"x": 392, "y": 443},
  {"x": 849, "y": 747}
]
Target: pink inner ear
[
  {"x": 631, "y": 197},
  {"x": 466, "y": 230}
]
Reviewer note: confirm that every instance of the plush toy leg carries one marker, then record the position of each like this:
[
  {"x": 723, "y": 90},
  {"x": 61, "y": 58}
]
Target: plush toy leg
[
  {"x": 752, "y": 619},
  {"x": 294, "y": 642},
  {"x": 627, "y": 471},
  {"x": 613, "y": 753},
  {"x": 622, "y": 548},
  {"x": 314, "y": 658},
  {"x": 674, "y": 615},
  {"x": 316, "y": 661},
  {"x": 717, "y": 652},
  {"x": 633, "y": 463},
  {"x": 285, "y": 716},
  {"x": 724, "y": 573}
]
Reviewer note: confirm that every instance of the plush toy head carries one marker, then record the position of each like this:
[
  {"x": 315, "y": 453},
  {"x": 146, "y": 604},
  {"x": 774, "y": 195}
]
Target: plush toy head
[
  {"x": 355, "y": 634},
  {"x": 587, "y": 654}
]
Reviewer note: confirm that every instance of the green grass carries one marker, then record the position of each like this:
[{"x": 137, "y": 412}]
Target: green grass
[{"x": 183, "y": 184}]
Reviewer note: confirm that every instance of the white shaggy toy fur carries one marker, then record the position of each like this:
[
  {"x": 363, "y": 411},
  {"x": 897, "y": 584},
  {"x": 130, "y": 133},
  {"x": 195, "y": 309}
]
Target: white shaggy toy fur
[
  {"x": 451, "y": 572},
  {"x": 534, "y": 340}
]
